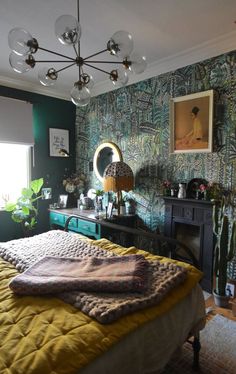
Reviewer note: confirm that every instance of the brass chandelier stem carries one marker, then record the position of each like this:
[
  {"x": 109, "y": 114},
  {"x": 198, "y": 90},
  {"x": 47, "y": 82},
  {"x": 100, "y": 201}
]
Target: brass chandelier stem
[{"x": 78, "y": 53}]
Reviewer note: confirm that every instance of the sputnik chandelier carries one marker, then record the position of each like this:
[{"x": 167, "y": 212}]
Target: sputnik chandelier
[{"x": 68, "y": 32}]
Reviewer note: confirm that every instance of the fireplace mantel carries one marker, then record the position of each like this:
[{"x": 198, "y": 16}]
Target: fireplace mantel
[{"x": 196, "y": 216}]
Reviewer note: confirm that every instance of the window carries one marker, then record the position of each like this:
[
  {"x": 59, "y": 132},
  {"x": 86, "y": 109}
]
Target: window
[{"x": 14, "y": 169}]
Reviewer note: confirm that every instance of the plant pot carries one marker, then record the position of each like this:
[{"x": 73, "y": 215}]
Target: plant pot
[{"x": 221, "y": 301}]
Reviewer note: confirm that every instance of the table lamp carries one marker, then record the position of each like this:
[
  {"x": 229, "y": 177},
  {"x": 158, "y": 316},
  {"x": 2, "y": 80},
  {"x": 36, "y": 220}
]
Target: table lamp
[{"x": 118, "y": 176}]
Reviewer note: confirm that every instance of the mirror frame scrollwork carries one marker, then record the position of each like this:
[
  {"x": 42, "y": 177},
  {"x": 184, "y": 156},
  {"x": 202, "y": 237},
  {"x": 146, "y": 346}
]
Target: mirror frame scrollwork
[{"x": 116, "y": 152}]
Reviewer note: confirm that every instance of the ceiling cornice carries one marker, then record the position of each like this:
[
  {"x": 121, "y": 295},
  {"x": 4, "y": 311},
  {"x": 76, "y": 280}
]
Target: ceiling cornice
[
  {"x": 209, "y": 49},
  {"x": 31, "y": 87}
]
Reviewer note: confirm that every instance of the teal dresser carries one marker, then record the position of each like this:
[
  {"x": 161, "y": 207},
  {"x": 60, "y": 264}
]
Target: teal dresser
[
  {"x": 85, "y": 223},
  {"x": 80, "y": 225}
]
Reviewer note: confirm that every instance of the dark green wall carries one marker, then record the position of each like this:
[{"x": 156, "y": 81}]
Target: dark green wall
[
  {"x": 137, "y": 119},
  {"x": 47, "y": 112}
]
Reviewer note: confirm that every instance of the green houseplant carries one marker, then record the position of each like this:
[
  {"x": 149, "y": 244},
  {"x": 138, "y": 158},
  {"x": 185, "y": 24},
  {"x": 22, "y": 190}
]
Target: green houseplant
[
  {"x": 25, "y": 209},
  {"x": 225, "y": 239}
]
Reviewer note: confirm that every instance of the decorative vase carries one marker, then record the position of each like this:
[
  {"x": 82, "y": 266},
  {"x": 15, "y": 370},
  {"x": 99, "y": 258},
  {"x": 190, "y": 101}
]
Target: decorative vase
[
  {"x": 71, "y": 201},
  {"x": 221, "y": 301},
  {"x": 167, "y": 192},
  {"x": 182, "y": 191},
  {"x": 198, "y": 195},
  {"x": 122, "y": 210}
]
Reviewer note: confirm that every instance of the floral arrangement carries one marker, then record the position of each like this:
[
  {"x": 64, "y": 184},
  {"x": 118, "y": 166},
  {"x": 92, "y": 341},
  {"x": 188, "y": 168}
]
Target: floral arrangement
[
  {"x": 166, "y": 184},
  {"x": 203, "y": 187},
  {"x": 166, "y": 187},
  {"x": 75, "y": 182},
  {"x": 211, "y": 190}
]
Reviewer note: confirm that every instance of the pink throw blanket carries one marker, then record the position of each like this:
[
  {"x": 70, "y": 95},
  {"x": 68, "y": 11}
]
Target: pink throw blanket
[{"x": 53, "y": 275}]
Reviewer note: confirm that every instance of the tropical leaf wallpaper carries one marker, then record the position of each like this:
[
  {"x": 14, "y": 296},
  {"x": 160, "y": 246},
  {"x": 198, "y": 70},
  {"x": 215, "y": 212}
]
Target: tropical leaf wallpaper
[{"x": 137, "y": 119}]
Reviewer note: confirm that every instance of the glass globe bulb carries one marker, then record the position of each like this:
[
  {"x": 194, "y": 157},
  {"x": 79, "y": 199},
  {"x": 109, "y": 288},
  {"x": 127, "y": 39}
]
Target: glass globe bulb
[
  {"x": 80, "y": 96},
  {"x": 87, "y": 80},
  {"x": 119, "y": 77},
  {"x": 67, "y": 30},
  {"x": 121, "y": 44},
  {"x": 138, "y": 63},
  {"x": 18, "y": 63},
  {"x": 90, "y": 84},
  {"x": 17, "y": 41},
  {"x": 47, "y": 76}
]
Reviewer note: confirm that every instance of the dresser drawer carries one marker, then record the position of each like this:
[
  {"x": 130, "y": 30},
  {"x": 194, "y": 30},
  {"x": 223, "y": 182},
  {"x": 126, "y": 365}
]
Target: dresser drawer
[
  {"x": 57, "y": 219},
  {"x": 87, "y": 228},
  {"x": 73, "y": 224}
]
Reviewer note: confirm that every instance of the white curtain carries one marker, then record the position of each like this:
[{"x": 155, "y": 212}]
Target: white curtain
[{"x": 16, "y": 121}]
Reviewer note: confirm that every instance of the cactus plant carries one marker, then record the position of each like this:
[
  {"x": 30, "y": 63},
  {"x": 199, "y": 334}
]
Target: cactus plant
[{"x": 224, "y": 247}]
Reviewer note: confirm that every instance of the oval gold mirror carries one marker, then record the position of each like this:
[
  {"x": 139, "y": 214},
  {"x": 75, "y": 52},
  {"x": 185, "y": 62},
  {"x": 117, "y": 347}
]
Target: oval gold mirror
[{"x": 105, "y": 154}]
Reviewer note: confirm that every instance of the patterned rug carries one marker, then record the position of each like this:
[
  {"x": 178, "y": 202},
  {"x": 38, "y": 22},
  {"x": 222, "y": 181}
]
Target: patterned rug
[{"x": 218, "y": 351}]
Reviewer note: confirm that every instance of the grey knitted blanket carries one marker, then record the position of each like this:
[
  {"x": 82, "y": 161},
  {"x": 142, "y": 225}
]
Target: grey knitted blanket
[{"x": 104, "y": 307}]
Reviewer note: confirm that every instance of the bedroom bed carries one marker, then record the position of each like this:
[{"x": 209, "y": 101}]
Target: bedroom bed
[{"x": 45, "y": 334}]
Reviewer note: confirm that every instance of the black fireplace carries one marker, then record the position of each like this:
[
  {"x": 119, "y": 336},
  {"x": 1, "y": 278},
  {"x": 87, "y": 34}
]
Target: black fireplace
[{"x": 190, "y": 221}]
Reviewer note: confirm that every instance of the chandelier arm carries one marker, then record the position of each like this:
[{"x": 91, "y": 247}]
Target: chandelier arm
[
  {"x": 105, "y": 62},
  {"x": 94, "y": 67},
  {"x": 55, "y": 53},
  {"x": 65, "y": 67},
  {"x": 55, "y": 61},
  {"x": 95, "y": 54}
]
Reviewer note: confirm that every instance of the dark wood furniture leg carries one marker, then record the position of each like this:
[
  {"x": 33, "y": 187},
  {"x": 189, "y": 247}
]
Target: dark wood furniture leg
[{"x": 196, "y": 349}]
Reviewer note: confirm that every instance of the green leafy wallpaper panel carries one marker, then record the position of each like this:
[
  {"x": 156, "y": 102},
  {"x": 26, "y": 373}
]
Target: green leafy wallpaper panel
[{"x": 137, "y": 119}]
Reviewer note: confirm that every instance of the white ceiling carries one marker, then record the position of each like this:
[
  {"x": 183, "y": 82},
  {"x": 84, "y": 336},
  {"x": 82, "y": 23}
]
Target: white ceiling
[{"x": 170, "y": 33}]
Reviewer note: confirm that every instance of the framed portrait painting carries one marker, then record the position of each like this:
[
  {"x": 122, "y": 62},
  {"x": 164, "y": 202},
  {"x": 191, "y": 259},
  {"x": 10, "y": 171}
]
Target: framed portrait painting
[
  {"x": 192, "y": 123},
  {"x": 58, "y": 142}
]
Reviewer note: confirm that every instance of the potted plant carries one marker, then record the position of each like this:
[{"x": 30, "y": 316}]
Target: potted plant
[
  {"x": 25, "y": 209},
  {"x": 225, "y": 237},
  {"x": 130, "y": 204}
]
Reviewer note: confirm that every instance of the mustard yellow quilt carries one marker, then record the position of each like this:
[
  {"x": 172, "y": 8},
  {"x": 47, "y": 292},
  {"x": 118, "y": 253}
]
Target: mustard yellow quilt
[{"x": 43, "y": 335}]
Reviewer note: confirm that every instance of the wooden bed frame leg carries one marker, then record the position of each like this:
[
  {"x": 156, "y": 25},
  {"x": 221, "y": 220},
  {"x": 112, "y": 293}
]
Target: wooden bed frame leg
[{"x": 196, "y": 349}]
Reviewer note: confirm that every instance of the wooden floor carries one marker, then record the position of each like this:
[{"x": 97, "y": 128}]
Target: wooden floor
[{"x": 226, "y": 312}]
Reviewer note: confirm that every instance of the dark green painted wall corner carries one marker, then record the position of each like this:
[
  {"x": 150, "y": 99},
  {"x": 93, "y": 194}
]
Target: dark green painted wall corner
[{"x": 48, "y": 112}]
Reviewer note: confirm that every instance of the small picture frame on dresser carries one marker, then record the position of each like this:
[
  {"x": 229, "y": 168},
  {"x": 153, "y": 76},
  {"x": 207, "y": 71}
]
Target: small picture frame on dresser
[
  {"x": 62, "y": 201},
  {"x": 230, "y": 289}
]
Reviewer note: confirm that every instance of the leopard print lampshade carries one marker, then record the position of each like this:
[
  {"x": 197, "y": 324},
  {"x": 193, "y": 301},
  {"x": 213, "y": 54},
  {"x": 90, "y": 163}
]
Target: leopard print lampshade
[{"x": 118, "y": 176}]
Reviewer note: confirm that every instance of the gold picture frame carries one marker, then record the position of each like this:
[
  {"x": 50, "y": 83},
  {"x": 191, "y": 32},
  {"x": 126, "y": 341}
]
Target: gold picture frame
[{"x": 191, "y": 123}]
